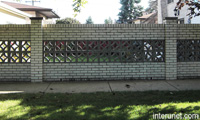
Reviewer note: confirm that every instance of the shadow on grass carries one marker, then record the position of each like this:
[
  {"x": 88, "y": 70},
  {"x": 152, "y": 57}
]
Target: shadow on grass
[{"x": 99, "y": 106}]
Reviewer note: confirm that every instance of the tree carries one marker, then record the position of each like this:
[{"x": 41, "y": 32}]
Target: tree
[
  {"x": 67, "y": 21},
  {"x": 152, "y": 6},
  {"x": 129, "y": 11},
  {"x": 194, "y": 7},
  {"x": 77, "y": 5},
  {"x": 89, "y": 20},
  {"x": 108, "y": 21}
]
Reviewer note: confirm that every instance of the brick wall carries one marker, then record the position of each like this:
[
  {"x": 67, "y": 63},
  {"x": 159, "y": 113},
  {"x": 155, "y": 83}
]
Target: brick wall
[
  {"x": 36, "y": 50},
  {"x": 15, "y": 71},
  {"x": 188, "y": 32},
  {"x": 103, "y": 71},
  {"x": 104, "y": 32},
  {"x": 14, "y": 32},
  {"x": 188, "y": 69},
  {"x": 171, "y": 48},
  {"x": 37, "y": 71}
]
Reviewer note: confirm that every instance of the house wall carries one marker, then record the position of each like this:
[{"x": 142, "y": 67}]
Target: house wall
[
  {"x": 32, "y": 13},
  {"x": 8, "y": 18},
  {"x": 183, "y": 12},
  {"x": 162, "y": 10},
  {"x": 167, "y": 10}
]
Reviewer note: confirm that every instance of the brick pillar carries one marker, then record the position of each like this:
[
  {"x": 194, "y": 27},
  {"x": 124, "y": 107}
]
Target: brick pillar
[
  {"x": 36, "y": 49},
  {"x": 171, "y": 48}
]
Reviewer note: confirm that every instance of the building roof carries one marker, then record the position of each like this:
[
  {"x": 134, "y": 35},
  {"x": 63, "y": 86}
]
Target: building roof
[
  {"x": 45, "y": 11},
  {"x": 146, "y": 19},
  {"x": 146, "y": 16}
]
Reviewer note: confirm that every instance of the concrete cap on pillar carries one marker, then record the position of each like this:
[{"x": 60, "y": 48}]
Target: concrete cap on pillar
[
  {"x": 36, "y": 18},
  {"x": 171, "y": 18}
]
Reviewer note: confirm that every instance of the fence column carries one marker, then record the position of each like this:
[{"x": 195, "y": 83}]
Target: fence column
[
  {"x": 171, "y": 48},
  {"x": 36, "y": 49}
]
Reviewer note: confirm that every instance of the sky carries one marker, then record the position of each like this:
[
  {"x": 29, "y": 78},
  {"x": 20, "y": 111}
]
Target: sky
[{"x": 99, "y": 10}]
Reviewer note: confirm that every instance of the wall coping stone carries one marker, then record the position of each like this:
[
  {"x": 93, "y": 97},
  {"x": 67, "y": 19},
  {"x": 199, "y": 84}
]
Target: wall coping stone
[
  {"x": 171, "y": 18},
  {"x": 36, "y": 18}
]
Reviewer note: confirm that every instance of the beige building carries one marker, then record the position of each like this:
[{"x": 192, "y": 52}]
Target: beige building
[
  {"x": 151, "y": 18},
  {"x": 15, "y": 13}
]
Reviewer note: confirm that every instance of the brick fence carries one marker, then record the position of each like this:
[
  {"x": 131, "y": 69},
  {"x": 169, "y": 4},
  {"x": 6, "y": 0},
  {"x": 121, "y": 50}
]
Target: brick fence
[{"x": 99, "y": 52}]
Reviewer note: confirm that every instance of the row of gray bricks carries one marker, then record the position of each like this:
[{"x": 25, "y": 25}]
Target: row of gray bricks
[
  {"x": 104, "y": 78},
  {"x": 27, "y": 75},
  {"x": 108, "y": 70},
  {"x": 52, "y": 73},
  {"x": 15, "y": 76},
  {"x": 15, "y": 79},
  {"x": 131, "y": 65},
  {"x": 102, "y": 33},
  {"x": 99, "y": 65},
  {"x": 115, "y": 36},
  {"x": 15, "y": 66},
  {"x": 52, "y": 30},
  {"x": 98, "y": 25},
  {"x": 171, "y": 27},
  {"x": 68, "y": 31},
  {"x": 101, "y": 30},
  {"x": 62, "y": 30},
  {"x": 105, "y": 67},
  {"x": 79, "y": 72},
  {"x": 94, "y": 34},
  {"x": 88, "y": 75},
  {"x": 109, "y": 37},
  {"x": 100, "y": 38},
  {"x": 101, "y": 27},
  {"x": 104, "y": 36},
  {"x": 188, "y": 68}
]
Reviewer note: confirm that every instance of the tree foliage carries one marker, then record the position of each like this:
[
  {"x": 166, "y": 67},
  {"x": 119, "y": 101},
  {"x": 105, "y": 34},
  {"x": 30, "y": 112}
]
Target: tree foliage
[
  {"x": 193, "y": 7},
  {"x": 67, "y": 21},
  {"x": 152, "y": 6},
  {"x": 77, "y": 5},
  {"x": 129, "y": 10},
  {"x": 89, "y": 20},
  {"x": 108, "y": 21}
]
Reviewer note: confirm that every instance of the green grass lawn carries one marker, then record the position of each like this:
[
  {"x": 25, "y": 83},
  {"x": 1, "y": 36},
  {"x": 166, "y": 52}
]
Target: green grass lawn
[{"x": 98, "y": 106}]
